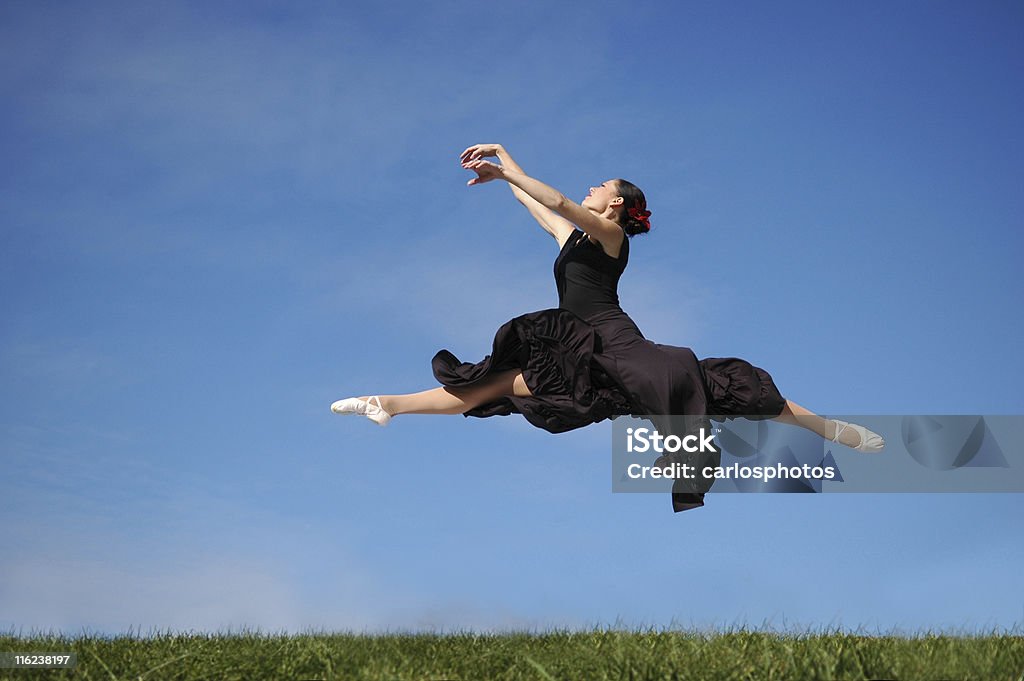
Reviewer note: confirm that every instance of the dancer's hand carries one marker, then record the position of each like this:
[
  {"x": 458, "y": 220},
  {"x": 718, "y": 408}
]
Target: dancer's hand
[
  {"x": 478, "y": 151},
  {"x": 485, "y": 171}
]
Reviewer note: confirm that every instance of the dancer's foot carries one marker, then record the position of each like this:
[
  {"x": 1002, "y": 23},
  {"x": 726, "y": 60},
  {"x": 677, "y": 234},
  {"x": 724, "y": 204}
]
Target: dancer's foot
[
  {"x": 365, "y": 407},
  {"x": 857, "y": 437}
]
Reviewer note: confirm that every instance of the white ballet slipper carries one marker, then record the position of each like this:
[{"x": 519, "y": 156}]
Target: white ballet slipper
[
  {"x": 367, "y": 408},
  {"x": 870, "y": 441}
]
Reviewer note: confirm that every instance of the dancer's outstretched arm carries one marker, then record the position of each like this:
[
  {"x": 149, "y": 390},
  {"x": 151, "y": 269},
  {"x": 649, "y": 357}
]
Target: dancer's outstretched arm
[
  {"x": 551, "y": 222},
  {"x": 600, "y": 227}
]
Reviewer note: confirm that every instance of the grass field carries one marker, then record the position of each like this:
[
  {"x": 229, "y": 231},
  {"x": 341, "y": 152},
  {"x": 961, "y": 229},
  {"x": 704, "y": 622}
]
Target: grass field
[{"x": 598, "y": 654}]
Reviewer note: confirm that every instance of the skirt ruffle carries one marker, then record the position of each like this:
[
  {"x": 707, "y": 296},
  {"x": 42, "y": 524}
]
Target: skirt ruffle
[
  {"x": 557, "y": 353},
  {"x": 736, "y": 388}
]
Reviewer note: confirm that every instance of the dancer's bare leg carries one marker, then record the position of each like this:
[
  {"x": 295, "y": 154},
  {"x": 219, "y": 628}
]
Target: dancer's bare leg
[
  {"x": 796, "y": 415},
  {"x": 445, "y": 400}
]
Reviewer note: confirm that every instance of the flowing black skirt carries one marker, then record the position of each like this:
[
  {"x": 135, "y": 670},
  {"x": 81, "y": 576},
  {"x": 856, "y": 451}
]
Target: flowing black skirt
[{"x": 582, "y": 372}]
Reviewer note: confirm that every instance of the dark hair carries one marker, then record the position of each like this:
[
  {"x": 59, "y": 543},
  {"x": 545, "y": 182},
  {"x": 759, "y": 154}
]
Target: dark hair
[{"x": 632, "y": 197}]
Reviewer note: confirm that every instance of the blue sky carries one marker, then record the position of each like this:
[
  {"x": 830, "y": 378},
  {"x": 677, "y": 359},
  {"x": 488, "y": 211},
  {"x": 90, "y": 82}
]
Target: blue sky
[{"x": 217, "y": 220}]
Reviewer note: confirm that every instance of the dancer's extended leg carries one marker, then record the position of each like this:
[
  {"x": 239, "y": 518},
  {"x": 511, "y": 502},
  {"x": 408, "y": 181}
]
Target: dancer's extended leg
[
  {"x": 849, "y": 434},
  {"x": 444, "y": 400}
]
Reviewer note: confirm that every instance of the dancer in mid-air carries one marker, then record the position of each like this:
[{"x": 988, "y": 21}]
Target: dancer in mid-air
[{"x": 586, "y": 360}]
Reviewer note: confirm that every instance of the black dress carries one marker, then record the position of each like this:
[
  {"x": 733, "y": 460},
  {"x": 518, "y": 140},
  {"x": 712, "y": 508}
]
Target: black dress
[{"x": 587, "y": 361}]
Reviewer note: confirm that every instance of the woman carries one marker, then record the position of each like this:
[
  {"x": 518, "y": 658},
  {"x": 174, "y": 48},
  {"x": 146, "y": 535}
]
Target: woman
[{"x": 586, "y": 360}]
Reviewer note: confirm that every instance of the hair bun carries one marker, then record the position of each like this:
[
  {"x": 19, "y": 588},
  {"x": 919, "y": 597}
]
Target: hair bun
[
  {"x": 638, "y": 222},
  {"x": 634, "y": 227}
]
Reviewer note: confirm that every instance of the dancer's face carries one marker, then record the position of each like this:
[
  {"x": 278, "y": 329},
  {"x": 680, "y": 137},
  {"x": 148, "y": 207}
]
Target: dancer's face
[{"x": 602, "y": 197}]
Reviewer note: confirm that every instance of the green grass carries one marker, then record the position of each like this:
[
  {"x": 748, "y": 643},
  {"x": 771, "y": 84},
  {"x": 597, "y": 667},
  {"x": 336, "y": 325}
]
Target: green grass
[{"x": 591, "y": 655}]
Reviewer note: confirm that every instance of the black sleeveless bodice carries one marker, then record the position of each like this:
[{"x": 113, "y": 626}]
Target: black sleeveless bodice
[{"x": 587, "y": 280}]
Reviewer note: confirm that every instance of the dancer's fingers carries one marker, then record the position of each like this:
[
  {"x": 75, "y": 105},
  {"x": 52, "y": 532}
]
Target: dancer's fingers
[
  {"x": 471, "y": 153},
  {"x": 485, "y": 170},
  {"x": 478, "y": 151}
]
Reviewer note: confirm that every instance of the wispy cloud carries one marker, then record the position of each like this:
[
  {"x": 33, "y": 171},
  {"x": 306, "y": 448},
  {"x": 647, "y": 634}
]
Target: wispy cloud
[
  {"x": 218, "y": 594},
  {"x": 97, "y": 575}
]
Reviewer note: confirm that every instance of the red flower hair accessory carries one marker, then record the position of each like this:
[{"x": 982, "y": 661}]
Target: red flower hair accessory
[{"x": 641, "y": 216}]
